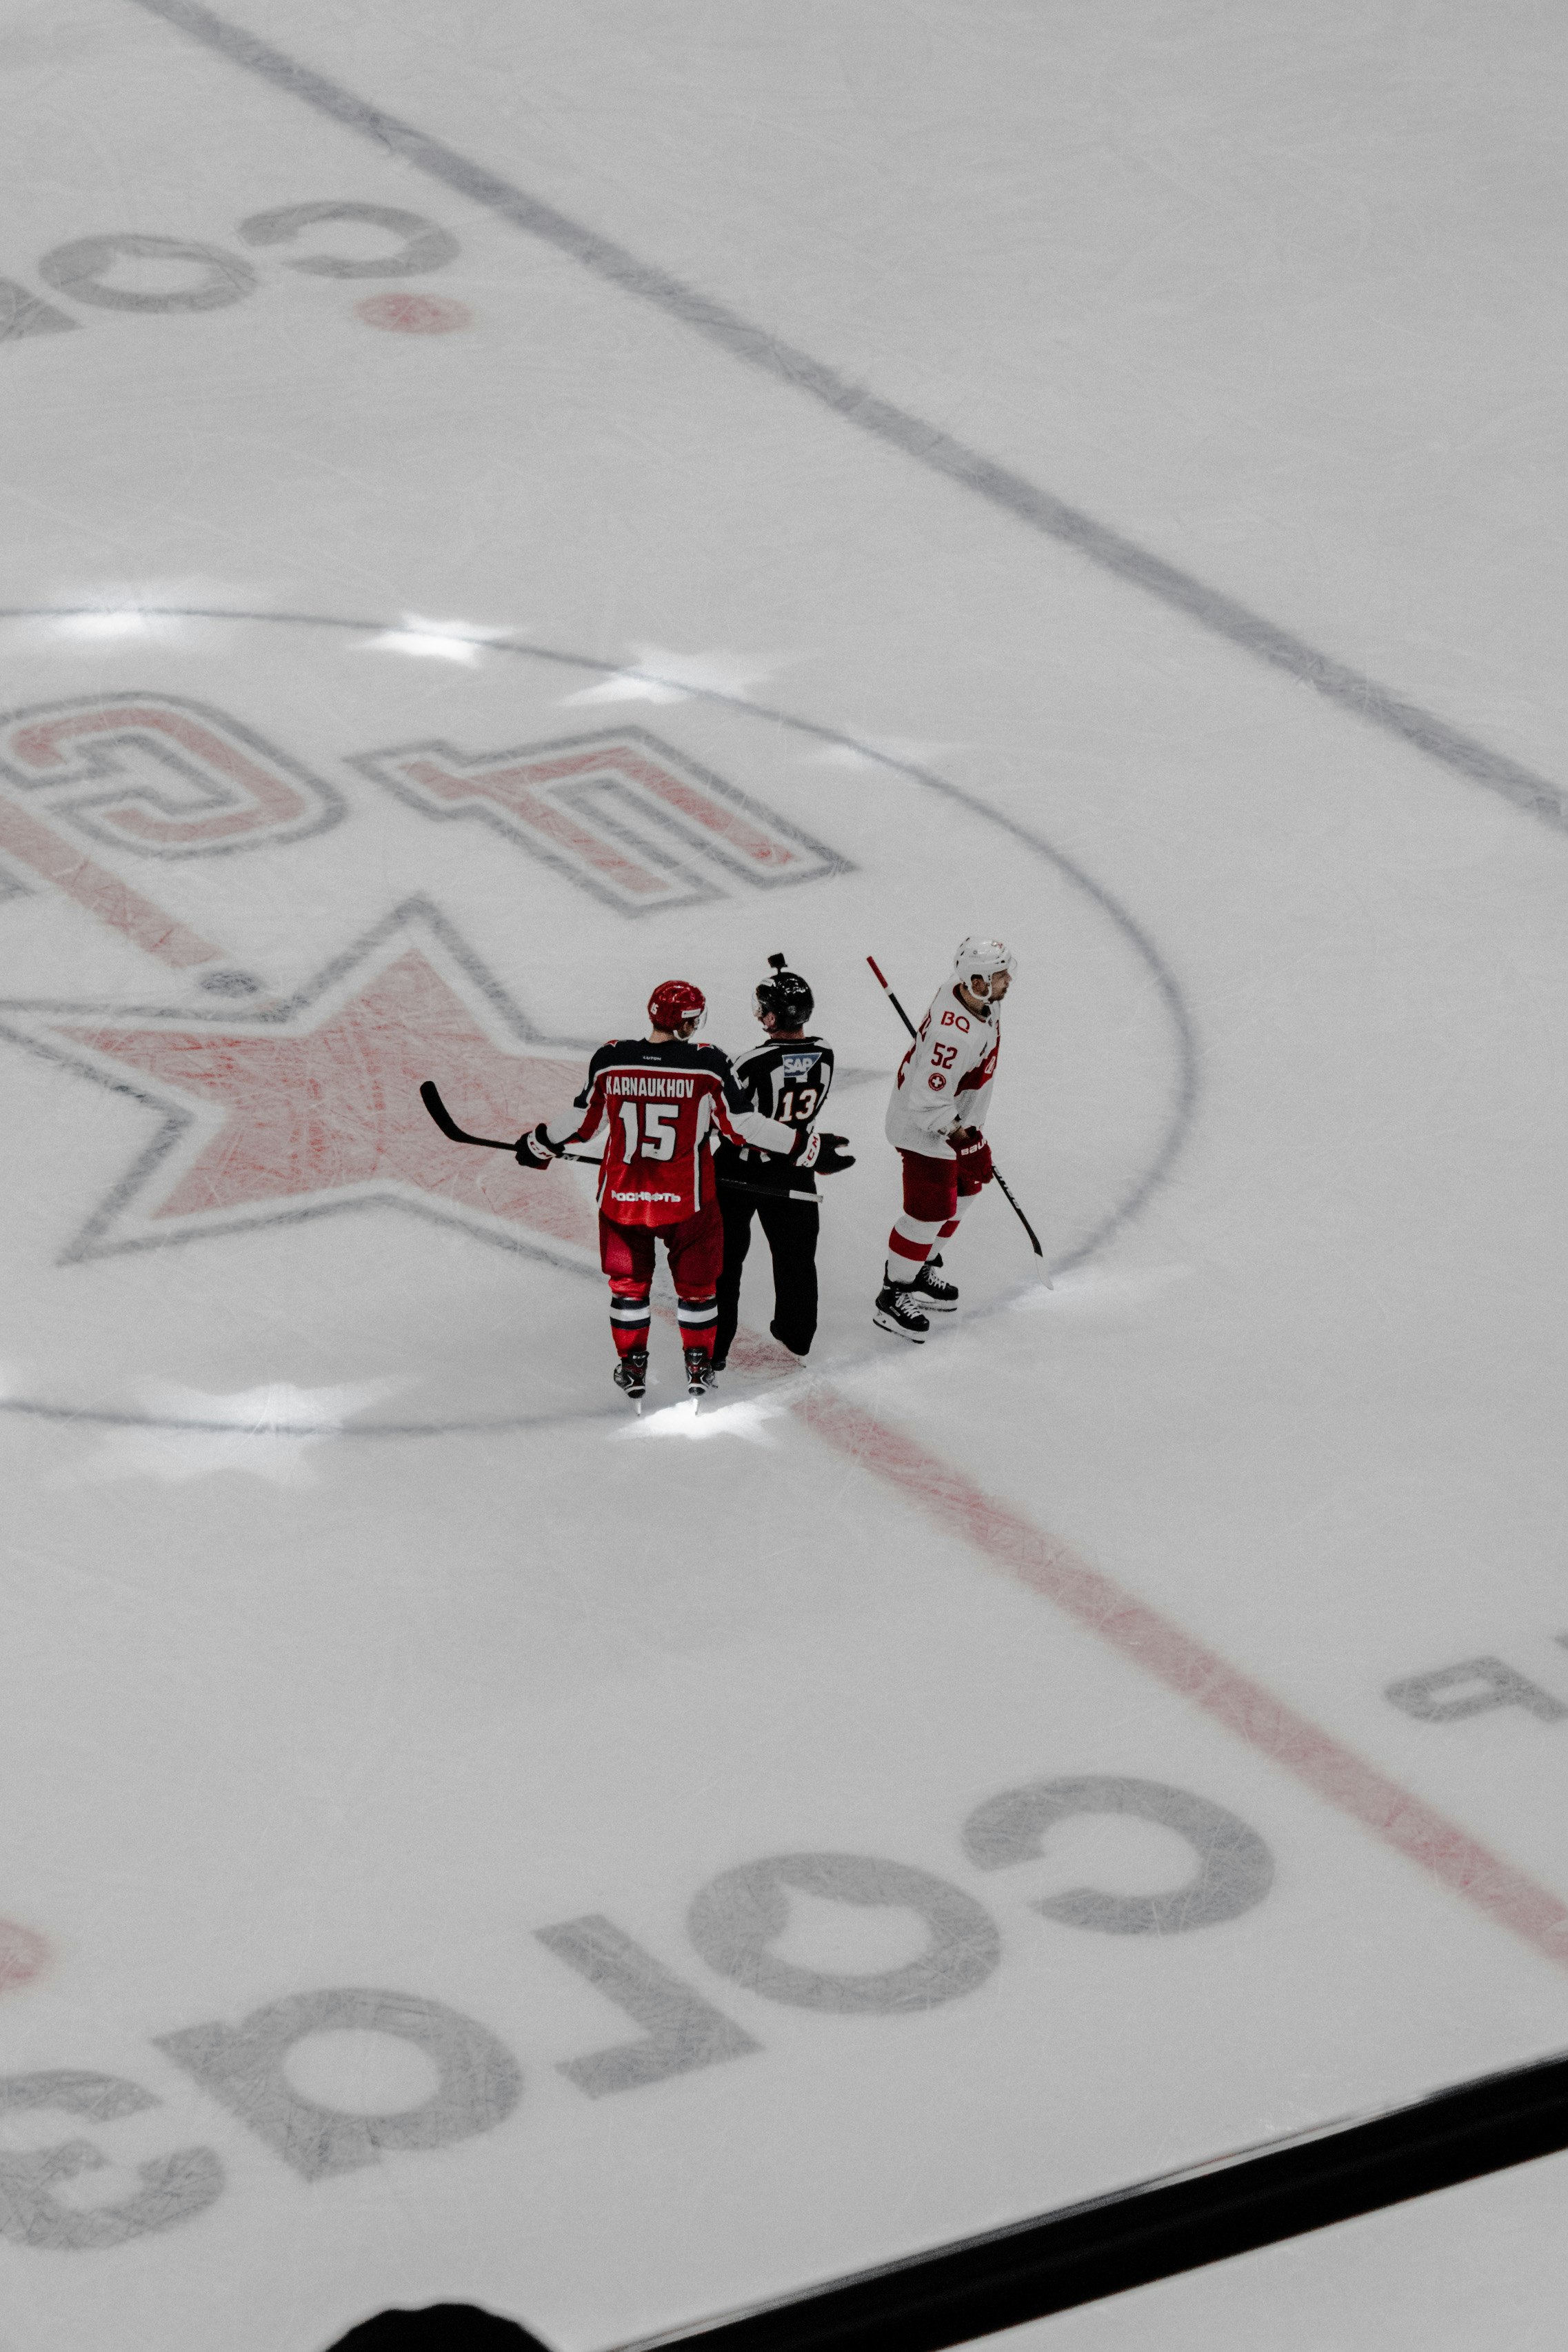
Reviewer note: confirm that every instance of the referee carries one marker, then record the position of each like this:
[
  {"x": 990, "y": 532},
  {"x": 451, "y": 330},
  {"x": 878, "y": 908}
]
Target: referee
[{"x": 785, "y": 1077}]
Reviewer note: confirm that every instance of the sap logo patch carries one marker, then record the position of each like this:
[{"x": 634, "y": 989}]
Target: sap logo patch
[{"x": 795, "y": 1065}]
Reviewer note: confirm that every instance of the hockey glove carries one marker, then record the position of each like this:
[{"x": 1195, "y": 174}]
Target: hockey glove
[
  {"x": 535, "y": 1150},
  {"x": 973, "y": 1155},
  {"x": 826, "y": 1153}
]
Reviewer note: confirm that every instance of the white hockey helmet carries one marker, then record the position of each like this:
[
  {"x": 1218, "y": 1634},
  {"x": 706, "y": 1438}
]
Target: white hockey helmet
[{"x": 980, "y": 957}]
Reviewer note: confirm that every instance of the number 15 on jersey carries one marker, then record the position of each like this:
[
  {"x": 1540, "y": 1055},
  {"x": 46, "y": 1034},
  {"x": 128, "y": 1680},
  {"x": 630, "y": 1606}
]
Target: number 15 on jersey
[{"x": 658, "y": 1129}]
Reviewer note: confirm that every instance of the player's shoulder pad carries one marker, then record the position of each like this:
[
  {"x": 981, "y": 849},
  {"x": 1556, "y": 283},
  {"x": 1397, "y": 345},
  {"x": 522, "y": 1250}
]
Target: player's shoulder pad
[
  {"x": 718, "y": 1064},
  {"x": 684, "y": 1053}
]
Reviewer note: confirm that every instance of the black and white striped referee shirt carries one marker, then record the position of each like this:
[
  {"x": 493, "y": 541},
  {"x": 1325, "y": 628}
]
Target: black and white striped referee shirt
[{"x": 786, "y": 1079}]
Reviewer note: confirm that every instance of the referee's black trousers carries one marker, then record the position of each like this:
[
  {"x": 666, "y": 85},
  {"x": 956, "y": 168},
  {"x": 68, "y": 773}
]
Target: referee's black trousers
[{"x": 791, "y": 1230}]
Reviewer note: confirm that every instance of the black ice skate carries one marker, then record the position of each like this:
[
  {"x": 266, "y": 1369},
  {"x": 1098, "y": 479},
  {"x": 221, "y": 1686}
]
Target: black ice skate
[
  {"x": 895, "y": 1311},
  {"x": 699, "y": 1372},
  {"x": 631, "y": 1373},
  {"x": 934, "y": 1291}
]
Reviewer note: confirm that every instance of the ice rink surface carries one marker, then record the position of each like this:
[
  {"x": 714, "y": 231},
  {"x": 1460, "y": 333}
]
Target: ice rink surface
[{"x": 508, "y": 504}]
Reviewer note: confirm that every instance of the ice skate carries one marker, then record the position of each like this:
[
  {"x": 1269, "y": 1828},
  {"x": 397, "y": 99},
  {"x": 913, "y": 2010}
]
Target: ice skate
[
  {"x": 936, "y": 1294},
  {"x": 699, "y": 1372},
  {"x": 895, "y": 1311},
  {"x": 631, "y": 1374}
]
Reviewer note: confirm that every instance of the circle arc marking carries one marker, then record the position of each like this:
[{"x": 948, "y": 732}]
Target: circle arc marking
[{"x": 1184, "y": 1094}]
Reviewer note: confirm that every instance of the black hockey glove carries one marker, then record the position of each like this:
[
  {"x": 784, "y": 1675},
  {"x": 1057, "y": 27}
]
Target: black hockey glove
[
  {"x": 826, "y": 1153},
  {"x": 535, "y": 1150}
]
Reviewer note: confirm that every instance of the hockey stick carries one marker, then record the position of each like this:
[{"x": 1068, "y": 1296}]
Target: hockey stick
[
  {"x": 997, "y": 1173},
  {"x": 429, "y": 1094}
]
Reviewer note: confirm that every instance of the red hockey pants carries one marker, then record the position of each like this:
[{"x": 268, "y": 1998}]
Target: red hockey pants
[
  {"x": 936, "y": 1194},
  {"x": 696, "y": 1251}
]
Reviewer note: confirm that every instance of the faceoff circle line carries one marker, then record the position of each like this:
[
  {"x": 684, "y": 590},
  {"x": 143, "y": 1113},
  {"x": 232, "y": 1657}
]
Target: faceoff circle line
[{"x": 1178, "y": 1122}]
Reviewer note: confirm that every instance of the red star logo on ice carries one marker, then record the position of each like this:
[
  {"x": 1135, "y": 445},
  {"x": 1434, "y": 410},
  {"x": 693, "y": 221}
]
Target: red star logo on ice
[{"x": 336, "y": 1107}]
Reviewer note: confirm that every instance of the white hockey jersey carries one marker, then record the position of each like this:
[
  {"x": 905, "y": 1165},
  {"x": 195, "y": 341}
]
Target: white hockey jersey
[{"x": 946, "y": 1077}]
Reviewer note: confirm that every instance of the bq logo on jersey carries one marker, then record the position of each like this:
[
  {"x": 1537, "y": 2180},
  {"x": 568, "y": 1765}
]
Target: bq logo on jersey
[{"x": 260, "y": 879}]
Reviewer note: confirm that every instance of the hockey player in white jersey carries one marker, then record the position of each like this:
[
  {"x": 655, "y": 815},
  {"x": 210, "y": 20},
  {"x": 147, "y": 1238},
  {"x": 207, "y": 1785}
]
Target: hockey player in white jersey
[{"x": 936, "y": 1119}]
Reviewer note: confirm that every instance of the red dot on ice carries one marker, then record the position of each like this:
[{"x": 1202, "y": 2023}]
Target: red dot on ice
[
  {"x": 413, "y": 314},
  {"x": 22, "y": 1956}
]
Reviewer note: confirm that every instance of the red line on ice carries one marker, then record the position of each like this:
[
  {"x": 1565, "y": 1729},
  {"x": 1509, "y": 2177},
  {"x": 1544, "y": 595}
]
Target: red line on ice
[
  {"x": 1333, "y": 1771},
  {"x": 101, "y": 893}
]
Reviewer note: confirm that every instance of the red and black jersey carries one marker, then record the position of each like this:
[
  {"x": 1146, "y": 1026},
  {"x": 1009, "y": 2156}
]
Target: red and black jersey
[{"x": 659, "y": 1106}]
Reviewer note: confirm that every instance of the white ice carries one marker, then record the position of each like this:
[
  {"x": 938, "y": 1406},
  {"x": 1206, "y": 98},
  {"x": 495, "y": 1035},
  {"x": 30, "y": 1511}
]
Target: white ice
[{"x": 361, "y": 1645}]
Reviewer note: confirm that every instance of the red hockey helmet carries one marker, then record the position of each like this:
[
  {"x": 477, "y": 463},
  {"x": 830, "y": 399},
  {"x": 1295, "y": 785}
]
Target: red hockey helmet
[{"x": 677, "y": 1006}]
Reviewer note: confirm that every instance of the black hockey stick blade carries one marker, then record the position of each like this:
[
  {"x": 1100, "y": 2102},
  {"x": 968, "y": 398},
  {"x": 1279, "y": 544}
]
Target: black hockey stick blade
[
  {"x": 1023, "y": 1220},
  {"x": 429, "y": 1094}
]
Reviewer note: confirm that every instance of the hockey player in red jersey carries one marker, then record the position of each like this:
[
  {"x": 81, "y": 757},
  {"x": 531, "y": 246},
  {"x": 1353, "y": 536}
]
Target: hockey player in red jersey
[
  {"x": 661, "y": 1101},
  {"x": 936, "y": 1120}
]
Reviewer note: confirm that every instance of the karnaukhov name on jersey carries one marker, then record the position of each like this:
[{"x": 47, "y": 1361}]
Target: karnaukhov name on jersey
[{"x": 660, "y": 1083}]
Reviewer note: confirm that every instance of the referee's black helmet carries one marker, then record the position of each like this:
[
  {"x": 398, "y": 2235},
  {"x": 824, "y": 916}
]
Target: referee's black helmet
[{"x": 785, "y": 996}]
